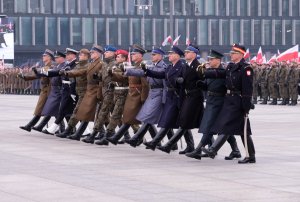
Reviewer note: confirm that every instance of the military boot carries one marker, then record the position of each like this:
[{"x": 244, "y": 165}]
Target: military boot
[
  {"x": 264, "y": 101},
  {"x": 274, "y": 101},
  {"x": 31, "y": 123},
  {"x": 104, "y": 141},
  {"x": 126, "y": 137},
  {"x": 170, "y": 134},
  {"x": 188, "y": 136},
  {"x": 79, "y": 131},
  {"x": 197, "y": 153},
  {"x": 100, "y": 134},
  {"x": 157, "y": 139},
  {"x": 90, "y": 138},
  {"x": 42, "y": 124},
  {"x": 212, "y": 151},
  {"x": 294, "y": 102},
  {"x": 121, "y": 132},
  {"x": 138, "y": 136},
  {"x": 69, "y": 131},
  {"x": 251, "y": 151},
  {"x": 235, "y": 153},
  {"x": 168, "y": 146}
]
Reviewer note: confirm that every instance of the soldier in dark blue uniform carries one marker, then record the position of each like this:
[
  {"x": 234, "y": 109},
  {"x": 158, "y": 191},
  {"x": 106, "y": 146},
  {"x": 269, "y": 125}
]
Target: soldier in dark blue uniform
[
  {"x": 237, "y": 103},
  {"x": 68, "y": 92},
  {"x": 216, "y": 90}
]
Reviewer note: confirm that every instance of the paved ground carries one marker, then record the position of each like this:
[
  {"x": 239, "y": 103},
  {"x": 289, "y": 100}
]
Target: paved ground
[{"x": 38, "y": 167}]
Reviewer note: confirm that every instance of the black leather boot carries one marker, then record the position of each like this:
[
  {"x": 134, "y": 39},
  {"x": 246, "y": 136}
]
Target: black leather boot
[
  {"x": 90, "y": 138},
  {"x": 138, "y": 136},
  {"x": 104, "y": 141},
  {"x": 283, "y": 102},
  {"x": 287, "y": 101},
  {"x": 254, "y": 100},
  {"x": 115, "y": 138},
  {"x": 69, "y": 131},
  {"x": 235, "y": 153},
  {"x": 274, "y": 101},
  {"x": 31, "y": 123},
  {"x": 251, "y": 151},
  {"x": 157, "y": 139},
  {"x": 212, "y": 151},
  {"x": 168, "y": 146},
  {"x": 170, "y": 134},
  {"x": 264, "y": 101},
  {"x": 42, "y": 124},
  {"x": 188, "y": 136},
  {"x": 101, "y": 132},
  {"x": 79, "y": 132},
  {"x": 293, "y": 102},
  {"x": 62, "y": 127},
  {"x": 126, "y": 137},
  {"x": 197, "y": 153}
]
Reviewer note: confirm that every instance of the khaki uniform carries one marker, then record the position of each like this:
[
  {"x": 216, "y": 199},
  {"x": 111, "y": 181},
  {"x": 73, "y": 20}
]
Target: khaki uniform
[
  {"x": 264, "y": 83},
  {"x": 282, "y": 83},
  {"x": 272, "y": 83},
  {"x": 292, "y": 80}
]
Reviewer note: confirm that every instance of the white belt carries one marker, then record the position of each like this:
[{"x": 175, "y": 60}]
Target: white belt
[
  {"x": 121, "y": 88},
  {"x": 66, "y": 82}
]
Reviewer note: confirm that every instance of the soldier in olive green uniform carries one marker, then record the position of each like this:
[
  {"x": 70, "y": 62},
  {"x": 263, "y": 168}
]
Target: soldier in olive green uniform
[
  {"x": 282, "y": 83},
  {"x": 272, "y": 83},
  {"x": 255, "y": 82},
  {"x": 292, "y": 80},
  {"x": 264, "y": 84}
]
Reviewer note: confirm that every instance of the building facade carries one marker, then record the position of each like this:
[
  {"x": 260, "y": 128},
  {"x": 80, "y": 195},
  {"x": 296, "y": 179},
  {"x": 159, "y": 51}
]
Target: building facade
[{"x": 57, "y": 24}]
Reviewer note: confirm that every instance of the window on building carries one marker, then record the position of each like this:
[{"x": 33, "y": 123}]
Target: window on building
[
  {"x": 159, "y": 31},
  {"x": 190, "y": 7},
  {"x": 96, "y": 6},
  {"x": 203, "y": 35},
  {"x": 72, "y": 6},
  {"x": 244, "y": 7},
  {"x": 26, "y": 24},
  {"x": 264, "y": 8},
  {"x": 40, "y": 31},
  {"x": 267, "y": 26},
  {"x": 285, "y": 7},
  {"x": 257, "y": 32},
  {"x": 275, "y": 8},
  {"x": 211, "y": 7},
  {"x": 8, "y": 6},
  {"x": 101, "y": 31},
  {"x": 166, "y": 7},
  {"x": 156, "y": 8},
  {"x": 113, "y": 31},
  {"x": 52, "y": 31},
  {"x": 247, "y": 32},
  {"x": 178, "y": 7},
  {"x": 47, "y": 7},
  {"x": 64, "y": 31},
  {"x": 84, "y": 7},
  {"x": 16, "y": 29},
  {"x": 222, "y": 8},
  {"x": 225, "y": 32},
  {"x": 109, "y": 7},
  {"x": 297, "y": 30},
  {"x": 236, "y": 31},
  {"x": 232, "y": 7},
  {"x": 148, "y": 32},
  {"x": 214, "y": 32},
  {"x": 199, "y": 7},
  {"x": 193, "y": 31},
  {"x": 21, "y": 6},
  {"x": 278, "y": 32},
  {"x": 124, "y": 32},
  {"x": 59, "y": 6},
  {"x": 254, "y": 7},
  {"x": 88, "y": 24},
  {"x": 288, "y": 32},
  {"x": 181, "y": 30},
  {"x": 34, "y": 6},
  {"x": 120, "y": 7},
  {"x": 76, "y": 31},
  {"x": 136, "y": 31},
  {"x": 295, "y": 7}
]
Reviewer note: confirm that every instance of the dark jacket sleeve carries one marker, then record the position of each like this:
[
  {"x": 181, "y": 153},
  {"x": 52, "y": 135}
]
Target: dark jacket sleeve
[
  {"x": 155, "y": 74},
  {"x": 215, "y": 73},
  {"x": 247, "y": 88}
]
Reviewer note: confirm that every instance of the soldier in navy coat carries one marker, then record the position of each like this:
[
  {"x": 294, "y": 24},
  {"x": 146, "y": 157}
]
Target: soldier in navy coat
[
  {"x": 237, "y": 103},
  {"x": 216, "y": 90}
]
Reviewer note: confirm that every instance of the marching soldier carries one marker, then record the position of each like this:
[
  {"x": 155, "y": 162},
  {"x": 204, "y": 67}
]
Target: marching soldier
[
  {"x": 237, "y": 103},
  {"x": 282, "y": 83},
  {"x": 45, "y": 89},
  {"x": 292, "y": 80},
  {"x": 272, "y": 83},
  {"x": 264, "y": 83},
  {"x": 137, "y": 94}
]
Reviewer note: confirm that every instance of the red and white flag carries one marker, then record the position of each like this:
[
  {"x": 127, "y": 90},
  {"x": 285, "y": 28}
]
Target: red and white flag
[
  {"x": 264, "y": 60},
  {"x": 272, "y": 59},
  {"x": 253, "y": 59},
  {"x": 175, "y": 42},
  {"x": 187, "y": 42},
  {"x": 259, "y": 56},
  {"x": 289, "y": 55},
  {"x": 247, "y": 54},
  {"x": 167, "y": 40}
]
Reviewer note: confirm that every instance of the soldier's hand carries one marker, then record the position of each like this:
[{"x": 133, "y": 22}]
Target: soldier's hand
[
  {"x": 201, "y": 69},
  {"x": 34, "y": 70},
  {"x": 179, "y": 80},
  {"x": 62, "y": 72},
  {"x": 143, "y": 66}
]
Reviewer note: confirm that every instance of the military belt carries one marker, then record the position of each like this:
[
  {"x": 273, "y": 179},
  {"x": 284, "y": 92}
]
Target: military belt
[
  {"x": 191, "y": 91},
  {"x": 217, "y": 94},
  {"x": 121, "y": 88},
  {"x": 66, "y": 82},
  {"x": 233, "y": 92}
]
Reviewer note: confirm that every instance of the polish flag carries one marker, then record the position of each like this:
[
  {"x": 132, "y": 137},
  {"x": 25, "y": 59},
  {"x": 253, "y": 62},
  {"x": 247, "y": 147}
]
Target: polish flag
[
  {"x": 253, "y": 59},
  {"x": 175, "y": 42},
  {"x": 299, "y": 57},
  {"x": 187, "y": 42},
  {"x": 167, "y": 40},
  {"x": 264, "y": 60},
  {"x": 289, "y": 54},
  {"x": 247, "y": 54},
  {"x": 272, "y": 59},
  {"x": 259, "y": 56}
]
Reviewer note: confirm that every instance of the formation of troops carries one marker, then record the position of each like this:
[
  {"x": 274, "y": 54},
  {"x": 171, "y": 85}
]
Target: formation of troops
[{"x": 120, "y": 92}]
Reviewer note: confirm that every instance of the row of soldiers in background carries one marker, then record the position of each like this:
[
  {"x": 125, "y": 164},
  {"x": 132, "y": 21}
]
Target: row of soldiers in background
[
  {"x": 141, "y": 96},
  {"x": 275, "y": 81},
  {"x": 10, "y": 84}
]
